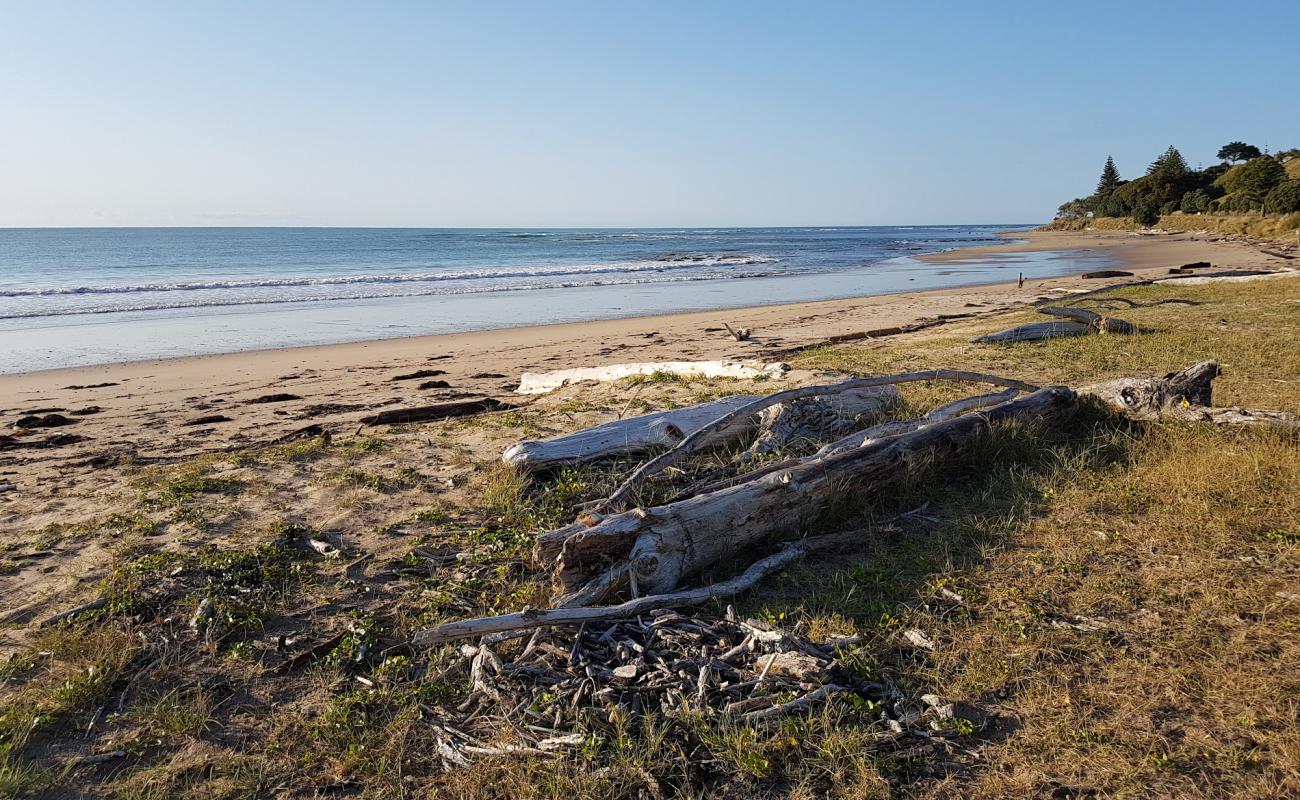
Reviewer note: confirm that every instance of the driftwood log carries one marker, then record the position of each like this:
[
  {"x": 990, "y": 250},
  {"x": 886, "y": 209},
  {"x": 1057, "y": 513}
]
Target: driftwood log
[
  {"x": 814, "y": 419},
  {"x": 1078, "y": 322},
  {"x": 858, "y": 438},
  {"x": 542, "y": 382},
  {"x": 619, "y": 500},
  {"x": 1236, "y": 276},
  {"x": 1187, "y": 394},
  {"x": 1096, "y": 322},
  {"x": 1036, "y": 332},
  {"x": 456, "y": 408},
  {"x": 666, "y": 543},
  {"x": 778, "y": 427},
  {"x": 632, "y": 435}
]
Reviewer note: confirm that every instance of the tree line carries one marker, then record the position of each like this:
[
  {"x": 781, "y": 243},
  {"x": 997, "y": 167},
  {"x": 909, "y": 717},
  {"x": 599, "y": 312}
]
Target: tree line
[{"x": 1246, "y": 180}]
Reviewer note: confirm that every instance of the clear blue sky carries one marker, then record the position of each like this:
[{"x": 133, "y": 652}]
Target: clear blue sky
[{"x": 617, "y": 113}]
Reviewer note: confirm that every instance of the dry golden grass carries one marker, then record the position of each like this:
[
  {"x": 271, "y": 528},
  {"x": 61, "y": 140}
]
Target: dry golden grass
[{"x": 1274, "y": 226}]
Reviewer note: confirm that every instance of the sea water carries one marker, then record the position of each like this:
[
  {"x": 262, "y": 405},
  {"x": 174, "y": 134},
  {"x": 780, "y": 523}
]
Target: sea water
[{"x": 74, "y": 297}]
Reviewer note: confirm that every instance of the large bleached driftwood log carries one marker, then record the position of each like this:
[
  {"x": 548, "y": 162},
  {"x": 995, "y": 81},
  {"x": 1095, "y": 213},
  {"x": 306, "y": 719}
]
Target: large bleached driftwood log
[
  {"x": 1078, "y": 322},
  {"x": 619, "y": 500},
  {"x": 1238, "y": 276},
  {"x": 866, "y": 436},
  {"x": 1036, "y": 332},
  {"x": 632, "y": 435},
  {"x": 542, "y": 382},
  {"x": 816, "y": 419},
  {"x": 1096, "y": 322},
  {"x": 1187, "y": 394},
  {"x": 779, "y": 427},
  {"x": 665, "y": 543}
]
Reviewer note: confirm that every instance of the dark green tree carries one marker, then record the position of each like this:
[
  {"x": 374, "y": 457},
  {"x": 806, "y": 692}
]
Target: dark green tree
[
  {"x": 1075, "y": 209},
  {"x": 1146, "y": 213},
  {"x": 1284, "y": 198},
  {"x": 1169, "y": 167},
  {"x": 1238, "y": 151},
  {"x": 1113, "y": 206},
  {"x": 1109, "y": 180},
  {"x": 1256, "y": 179},
  {"x": 1195, "y": 202}
]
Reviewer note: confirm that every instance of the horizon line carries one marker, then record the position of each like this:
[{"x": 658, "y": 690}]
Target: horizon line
[{"x": 507, "y": 227}]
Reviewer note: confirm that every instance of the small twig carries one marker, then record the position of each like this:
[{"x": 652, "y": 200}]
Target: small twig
[
  {"x": 797, "y": 704},
  {"x": 539, "y": 618},
  {"x": 72, "y": 612},
  {"x": 99, "y": 758}
]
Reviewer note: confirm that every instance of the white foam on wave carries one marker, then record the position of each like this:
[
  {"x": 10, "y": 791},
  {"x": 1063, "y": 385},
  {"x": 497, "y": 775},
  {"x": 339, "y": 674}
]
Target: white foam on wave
[
  {"x": 657, "y": 265},
  {"x": 122, "y": 308}
]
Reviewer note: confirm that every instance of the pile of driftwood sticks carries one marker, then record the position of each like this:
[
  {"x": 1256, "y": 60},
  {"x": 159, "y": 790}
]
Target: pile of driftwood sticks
[{"x": 570, "y": 680}]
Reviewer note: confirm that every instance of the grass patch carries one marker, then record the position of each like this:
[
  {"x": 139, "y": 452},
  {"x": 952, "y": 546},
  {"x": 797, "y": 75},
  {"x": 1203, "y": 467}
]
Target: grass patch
[{"x": 1274, "y": 226}]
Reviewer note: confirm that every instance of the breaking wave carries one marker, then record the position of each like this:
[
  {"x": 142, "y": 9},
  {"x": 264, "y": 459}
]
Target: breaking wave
[
  {"x": 657, "y": 265},
  {"x": 217, "y": 302}
]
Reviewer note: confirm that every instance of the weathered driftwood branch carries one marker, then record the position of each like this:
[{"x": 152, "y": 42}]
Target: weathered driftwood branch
[
  {"x": 1096, "y": 322},
  {"x": 1036, "y": 332},
  {"x": 97, "y": 603},
  {"x": 1236, "y": 276},
  {"x": 1187, "y": 394},
  {"x": 667, "y": 543},
  {"x": 541, "y": 618},
  {"x": 779, "y": 427},
  {"x": 632, "y": 435},
  {"x": 1079, "y": 322},
  {"x": 870, "y": 435},
  {"x": 698, "y": 440},
  {"x": 811, "y": 419},
  {"x": 876, "y": 333},
  {"x": 798, "y": 704},
  {"x": 1127, "y": 303},
  {"x": 738, "y": 335},
  {"x": 542, "y": 382},
  {"x": 457, "y": 408},
  {"x": 947, "y": 411}
]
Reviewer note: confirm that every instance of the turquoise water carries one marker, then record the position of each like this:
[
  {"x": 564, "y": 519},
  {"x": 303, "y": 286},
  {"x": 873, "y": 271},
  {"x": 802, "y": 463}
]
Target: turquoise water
[{"x": 72, "y": 297}]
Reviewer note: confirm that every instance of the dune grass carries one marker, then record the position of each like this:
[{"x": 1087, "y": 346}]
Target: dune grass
[{"x": 1274, "y": 226}]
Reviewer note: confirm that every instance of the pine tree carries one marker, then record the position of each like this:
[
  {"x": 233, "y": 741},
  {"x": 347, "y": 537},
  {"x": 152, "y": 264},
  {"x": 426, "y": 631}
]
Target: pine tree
[
  {"x": 1170, "y": 166},
  {"x": 1109, "y": 180}
]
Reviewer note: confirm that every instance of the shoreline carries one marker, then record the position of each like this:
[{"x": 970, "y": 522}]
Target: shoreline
[
  {"x": 93, "y": 338},
  {"x": 1113, "y": 245},
  {"x": 938, "y": 256}
]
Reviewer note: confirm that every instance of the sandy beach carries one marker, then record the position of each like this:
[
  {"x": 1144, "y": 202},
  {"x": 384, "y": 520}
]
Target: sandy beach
[{"x": 153, "y": 409}]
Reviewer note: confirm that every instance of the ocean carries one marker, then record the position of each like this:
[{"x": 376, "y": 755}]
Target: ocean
[{"x": 75, "y": 297}]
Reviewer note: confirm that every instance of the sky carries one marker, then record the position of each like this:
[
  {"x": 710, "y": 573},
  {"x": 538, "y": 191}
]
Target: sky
[{"x": 617, "y": 114}]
